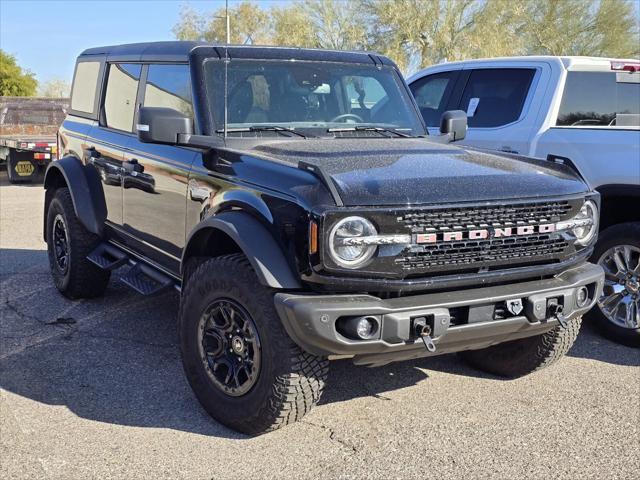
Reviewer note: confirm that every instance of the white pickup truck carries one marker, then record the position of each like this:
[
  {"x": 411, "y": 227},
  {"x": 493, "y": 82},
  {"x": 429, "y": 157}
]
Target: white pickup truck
[{"x": 581, "y": 108}]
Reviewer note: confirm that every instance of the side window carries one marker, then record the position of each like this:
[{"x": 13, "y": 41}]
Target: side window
[
  {"x": 85, "y": 82},
  {"x": 600, "y": 99},
  {"x": 432, "y": 94},
  {"x": 120, "y": 98},
  {"x": 495, "y": 97},
  {"x": 169, "y": 86}
]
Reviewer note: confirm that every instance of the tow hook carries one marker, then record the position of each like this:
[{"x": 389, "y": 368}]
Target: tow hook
[
  {"x": 557, "y": 311},
  {"x": 423, "y": 331}
]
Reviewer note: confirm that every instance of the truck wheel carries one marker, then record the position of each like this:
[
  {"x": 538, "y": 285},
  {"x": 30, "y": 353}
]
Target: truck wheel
[
  {"x": 243, "y": 367},
  {"x": 617, "y": 312},
  {"x": 521, "y": 357},
  {"x": 68, "y": 244}
]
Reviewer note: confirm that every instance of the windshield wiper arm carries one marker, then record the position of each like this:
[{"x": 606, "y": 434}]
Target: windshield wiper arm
[
  {"x": 263, "y": 128},
  {"x": 364, "y": 128}
]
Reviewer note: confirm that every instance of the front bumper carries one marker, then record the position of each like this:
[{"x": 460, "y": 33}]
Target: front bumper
[{"x": 461, "y": 319}]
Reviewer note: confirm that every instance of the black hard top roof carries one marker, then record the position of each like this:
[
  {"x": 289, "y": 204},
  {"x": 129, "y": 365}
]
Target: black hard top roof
[{"x": 177, "y": 51}]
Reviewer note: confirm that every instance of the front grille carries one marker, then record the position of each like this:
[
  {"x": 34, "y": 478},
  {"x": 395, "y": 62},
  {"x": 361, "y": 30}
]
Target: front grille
[
  {"x": 485, "y": 254},
  {"x": 421, "y": 221}
]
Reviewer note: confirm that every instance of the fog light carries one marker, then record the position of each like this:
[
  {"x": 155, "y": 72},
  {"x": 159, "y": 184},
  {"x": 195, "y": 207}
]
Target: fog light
[
  {"x": 359, "y": 328},
  {"x": 582, "y": 296}
]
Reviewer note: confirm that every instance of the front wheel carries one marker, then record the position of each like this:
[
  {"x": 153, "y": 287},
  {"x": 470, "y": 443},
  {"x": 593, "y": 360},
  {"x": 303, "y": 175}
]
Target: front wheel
[
  {"x": 521, "y": 357},
  {"x": 243, "y": 367},
  {"x": 617, "y": 311}
]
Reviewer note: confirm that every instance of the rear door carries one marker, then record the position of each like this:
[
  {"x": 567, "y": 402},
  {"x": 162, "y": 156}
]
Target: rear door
[
  {"x": 497, "y": 101},
  {"x": 155, "y": 176},
  {"x": 108, "y": 139},
  {"x": 598, "y": 126}
]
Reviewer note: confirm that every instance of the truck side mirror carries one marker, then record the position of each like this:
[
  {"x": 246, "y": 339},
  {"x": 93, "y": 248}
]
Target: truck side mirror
[
  {"x": 454, "y": 124},
  {"x": 162, "y": 125}
]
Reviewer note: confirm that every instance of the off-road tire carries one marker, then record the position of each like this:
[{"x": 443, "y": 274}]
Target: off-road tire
[
  {"x": 621, "y": 234},
  {"x": 290, "y": 380},
  {"x": 82, "y": 278},
  {"x": 521, "y": 357}
]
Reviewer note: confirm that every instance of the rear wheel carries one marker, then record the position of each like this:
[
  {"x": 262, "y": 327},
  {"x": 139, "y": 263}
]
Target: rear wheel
[
  {"x": 521, "y": 357},
  {"x": 243, "y": 367},
  {"x": 68, "y": 244},
  {"x": 11, "y": 169},
  {"x": 617, "y": 311}
]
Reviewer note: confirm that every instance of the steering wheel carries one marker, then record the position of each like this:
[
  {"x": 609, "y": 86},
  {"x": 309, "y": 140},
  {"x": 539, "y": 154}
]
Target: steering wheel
[{"x": 346, "y": 116}]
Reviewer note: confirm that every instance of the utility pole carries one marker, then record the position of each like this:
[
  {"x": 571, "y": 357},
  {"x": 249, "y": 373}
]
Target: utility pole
[{"x": 226, "y": 14}]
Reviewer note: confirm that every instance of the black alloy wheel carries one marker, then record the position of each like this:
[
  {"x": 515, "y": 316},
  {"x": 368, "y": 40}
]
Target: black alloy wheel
[{"x": 229, "y": 347}]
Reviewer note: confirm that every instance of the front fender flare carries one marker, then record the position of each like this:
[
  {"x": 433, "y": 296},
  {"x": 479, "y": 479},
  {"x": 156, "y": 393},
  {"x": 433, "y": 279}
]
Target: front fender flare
[
  {"x": 86, "y": 191},
  {"x": 258, "y": 245}
]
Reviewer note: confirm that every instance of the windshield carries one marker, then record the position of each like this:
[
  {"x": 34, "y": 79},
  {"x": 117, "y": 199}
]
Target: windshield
[{"x": 310, "y": 98}]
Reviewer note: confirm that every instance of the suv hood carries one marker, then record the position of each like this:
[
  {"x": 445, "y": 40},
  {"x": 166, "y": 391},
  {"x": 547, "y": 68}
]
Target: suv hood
[{"x": 401, "y": 171}]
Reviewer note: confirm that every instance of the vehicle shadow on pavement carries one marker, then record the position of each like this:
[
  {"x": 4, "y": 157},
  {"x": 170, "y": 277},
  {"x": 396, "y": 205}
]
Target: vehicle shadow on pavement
[{"x": 116, "y": 359}]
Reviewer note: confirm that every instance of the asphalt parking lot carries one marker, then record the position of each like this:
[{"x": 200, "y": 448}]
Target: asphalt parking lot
[{"x": 95, "y": 389}]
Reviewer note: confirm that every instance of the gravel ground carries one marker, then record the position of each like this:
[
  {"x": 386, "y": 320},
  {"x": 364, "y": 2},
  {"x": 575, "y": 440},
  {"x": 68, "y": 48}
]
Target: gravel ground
[{"x": 102, "y": 395}]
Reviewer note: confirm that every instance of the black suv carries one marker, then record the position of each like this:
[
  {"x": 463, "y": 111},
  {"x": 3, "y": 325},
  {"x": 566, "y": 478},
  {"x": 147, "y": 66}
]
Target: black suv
[{"x": 294, "y": 199}]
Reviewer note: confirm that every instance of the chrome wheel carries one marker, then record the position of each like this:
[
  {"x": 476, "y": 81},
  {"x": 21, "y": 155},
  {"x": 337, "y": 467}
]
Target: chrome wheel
[
  {"x": 620, "y": 299},
  {"x": 229, "y": 347},
  {"x": 61, "y": 243}
]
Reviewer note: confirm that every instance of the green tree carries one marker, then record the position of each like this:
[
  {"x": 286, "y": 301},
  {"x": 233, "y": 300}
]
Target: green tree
[
  {"x": 55, "y": 88},
  {"x": 191, "y": 25},
  {"x": 583, "y": 27},
  {"x": 14, "y": 81},
  {"x": 291, "y": 26}
]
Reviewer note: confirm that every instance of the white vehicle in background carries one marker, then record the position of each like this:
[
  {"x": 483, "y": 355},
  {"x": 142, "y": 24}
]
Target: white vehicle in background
[{"x": 583, "y": 109}]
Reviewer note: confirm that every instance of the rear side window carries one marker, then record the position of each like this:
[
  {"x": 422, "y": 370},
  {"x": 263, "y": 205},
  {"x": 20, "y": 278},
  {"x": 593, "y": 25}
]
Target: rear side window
[
  {"x": 495, "y": 97},
  {"x": 85, "y": 83},
  {"x": 600, "y": 99},
  {"x": 432, "y": 94},
  {"x": 169, "y": 86},
  {"x": 120, "y": 98}
]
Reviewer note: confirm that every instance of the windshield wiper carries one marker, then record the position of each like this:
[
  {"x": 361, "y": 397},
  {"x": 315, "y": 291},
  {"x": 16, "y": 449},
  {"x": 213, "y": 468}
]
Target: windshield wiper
[
  {"x": 364, "y": 128},
  {"x": 263, "y": 128}
]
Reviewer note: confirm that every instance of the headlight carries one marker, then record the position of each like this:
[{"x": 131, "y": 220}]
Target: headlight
[
  {"x": 585, "y": 224},
  {"x": 346, "y": 253}
]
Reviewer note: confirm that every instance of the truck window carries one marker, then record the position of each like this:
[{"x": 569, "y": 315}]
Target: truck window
[
  {"x": 169, "y": 86},
  {"x": 120, "y": 99},
  {"x": 494, "y": 97},
  {"x": 432, "y": 95},
  {"x": 600, "y": 99},
  {"x": 83, "y": 94}
]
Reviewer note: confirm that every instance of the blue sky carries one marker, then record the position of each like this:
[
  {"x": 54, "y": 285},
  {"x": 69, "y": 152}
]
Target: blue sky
[{"x": 47, "y": 36}]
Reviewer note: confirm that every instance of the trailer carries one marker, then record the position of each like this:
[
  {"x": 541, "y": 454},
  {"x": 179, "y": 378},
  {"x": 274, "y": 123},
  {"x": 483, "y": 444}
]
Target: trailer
[{"x": 28, "y": 129}]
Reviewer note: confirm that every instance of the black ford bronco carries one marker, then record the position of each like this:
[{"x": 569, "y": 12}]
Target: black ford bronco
[{"x": 294, "y": 199}]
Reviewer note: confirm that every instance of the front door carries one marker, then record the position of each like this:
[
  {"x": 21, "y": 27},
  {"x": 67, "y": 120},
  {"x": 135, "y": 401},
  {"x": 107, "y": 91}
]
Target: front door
[{"x": 156, "y": 176}]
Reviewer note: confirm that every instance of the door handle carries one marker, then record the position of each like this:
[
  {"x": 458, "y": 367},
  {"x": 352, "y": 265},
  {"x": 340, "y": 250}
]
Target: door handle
[
  {"x": 132, "y": 165},
  {"x": 91, "y": 154}
]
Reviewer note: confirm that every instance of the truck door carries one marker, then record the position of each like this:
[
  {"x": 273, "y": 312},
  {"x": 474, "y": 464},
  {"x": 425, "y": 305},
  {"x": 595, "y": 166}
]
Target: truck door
[
  {"x": 155, "y": 176},
  {"x": 107, "y": 140},
  {"x": 435, "y": 94}
]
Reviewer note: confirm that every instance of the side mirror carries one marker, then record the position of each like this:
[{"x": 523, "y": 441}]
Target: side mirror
[
  {"x": 162, "y": 125},
  {"x": 454, "y": 124}
]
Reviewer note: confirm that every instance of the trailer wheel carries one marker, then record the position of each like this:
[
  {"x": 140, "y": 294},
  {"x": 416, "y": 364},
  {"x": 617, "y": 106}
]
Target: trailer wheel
[{"x": 11, "y": 166}]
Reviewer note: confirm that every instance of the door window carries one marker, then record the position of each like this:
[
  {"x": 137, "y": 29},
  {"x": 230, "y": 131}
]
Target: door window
[
  {"x": 85, "y": 83},
  {"x": 120, "y": 98},
  {"x": 495, "y": 97},
  {"x": 432, "y": 94},
  {"x": 169, "y": 86},
  {"x": 600, "y": 99}
]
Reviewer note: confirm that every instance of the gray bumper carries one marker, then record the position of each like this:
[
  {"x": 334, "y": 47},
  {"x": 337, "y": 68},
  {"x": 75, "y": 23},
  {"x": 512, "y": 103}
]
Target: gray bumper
[{"x": 310, "y": 319}]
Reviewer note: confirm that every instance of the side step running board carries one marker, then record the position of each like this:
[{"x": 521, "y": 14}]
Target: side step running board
[
  {"x": 147, "y": 280},
  {"x": 108, "y": 257},
  {"x": 143, "y": 278}
]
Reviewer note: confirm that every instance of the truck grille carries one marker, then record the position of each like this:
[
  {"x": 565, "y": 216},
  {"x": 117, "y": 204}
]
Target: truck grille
[{"x": 488, "y": 253}]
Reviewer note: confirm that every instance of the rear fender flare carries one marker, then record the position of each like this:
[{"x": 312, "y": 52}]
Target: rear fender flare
[{"x": 86, "y": 191}]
